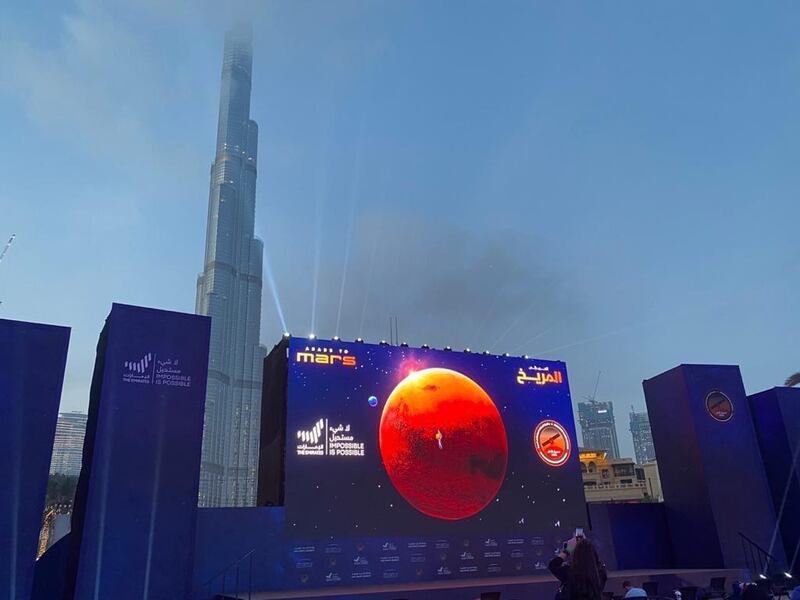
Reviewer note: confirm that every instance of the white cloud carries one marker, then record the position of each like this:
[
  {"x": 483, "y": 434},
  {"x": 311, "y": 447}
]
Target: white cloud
[{"x": 96, "y": 84}]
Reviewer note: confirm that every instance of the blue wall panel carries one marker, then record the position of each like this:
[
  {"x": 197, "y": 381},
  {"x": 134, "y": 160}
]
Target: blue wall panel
[
  {"x": 136, "y": 504},
  {"x": 631, "y": 536},
  {"x": 776, "y": 414},
  {"x": 48, "y": 579},
  {"x": 711, "y": 470},
  {"x": 641, "y": 536},
  {"x": 601, "y": 533},
  {"x": 225, "y": 539},
  {"x": 32, "y": 361}
]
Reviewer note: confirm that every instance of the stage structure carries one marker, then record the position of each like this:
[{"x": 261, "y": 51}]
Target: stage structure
[
  {"x": 776, "y": 415},
  {"x": 133, "y": 527},
  {"x": 712, "y": 474},
  {"x": 399, "y": 464},
  {"x": 32, "y": 362},
  {"x": 389, "y": 470}
]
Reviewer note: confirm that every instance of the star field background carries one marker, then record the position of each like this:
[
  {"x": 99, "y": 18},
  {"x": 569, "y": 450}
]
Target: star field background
[{"x": 331, "y": 496}]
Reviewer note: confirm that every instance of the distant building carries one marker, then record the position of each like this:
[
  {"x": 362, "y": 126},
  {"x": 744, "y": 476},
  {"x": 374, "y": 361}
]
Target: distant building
[
  {"x": 652, "y": 480},
  {"x": 643, "y": 447},
  {"x": 229, "y": 291},
  {"x": 598, "y": 428},
  {"x": 68, "y": 444},
  {"x": 607, "y": 479}
]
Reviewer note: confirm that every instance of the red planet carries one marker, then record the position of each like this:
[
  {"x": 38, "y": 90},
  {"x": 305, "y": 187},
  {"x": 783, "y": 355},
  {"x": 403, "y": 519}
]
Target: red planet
[{"x": 443, "y": 444}]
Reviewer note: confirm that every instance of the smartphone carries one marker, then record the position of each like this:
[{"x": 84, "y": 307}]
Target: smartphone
[{"x": 579, "y": 533}]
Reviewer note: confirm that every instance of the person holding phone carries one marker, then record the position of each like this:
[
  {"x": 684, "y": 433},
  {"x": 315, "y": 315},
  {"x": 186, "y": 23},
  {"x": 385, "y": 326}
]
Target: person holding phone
[{"x": 579, "y": 569}]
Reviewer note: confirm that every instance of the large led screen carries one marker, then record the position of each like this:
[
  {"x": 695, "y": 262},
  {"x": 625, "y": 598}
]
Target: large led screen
[{"x": 406, "y": 463}]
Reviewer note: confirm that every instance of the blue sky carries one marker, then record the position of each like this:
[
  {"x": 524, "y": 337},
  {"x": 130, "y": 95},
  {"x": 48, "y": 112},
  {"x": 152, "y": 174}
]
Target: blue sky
[{"x": 611, "y": 184}]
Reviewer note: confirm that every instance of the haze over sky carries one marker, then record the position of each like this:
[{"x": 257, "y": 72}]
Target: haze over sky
[{"x": 616, "y": 184}]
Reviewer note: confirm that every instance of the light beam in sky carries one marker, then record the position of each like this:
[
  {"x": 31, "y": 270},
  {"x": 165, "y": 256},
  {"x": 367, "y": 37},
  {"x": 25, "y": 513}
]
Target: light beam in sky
[
  {"x": 273, "y": 288},
  {"x": 349, "y": 242}
]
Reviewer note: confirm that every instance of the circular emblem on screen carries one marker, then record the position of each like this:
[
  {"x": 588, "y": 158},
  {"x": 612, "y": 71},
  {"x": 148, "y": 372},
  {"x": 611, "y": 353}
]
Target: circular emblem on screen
[
  {"x": 719, "y": 406},
  {"x": 551, "y": 442}
]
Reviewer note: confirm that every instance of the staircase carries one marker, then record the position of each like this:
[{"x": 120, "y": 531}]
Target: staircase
[
  {"x": 234, "y": 582},
  {"x": 765, "y": 570}
]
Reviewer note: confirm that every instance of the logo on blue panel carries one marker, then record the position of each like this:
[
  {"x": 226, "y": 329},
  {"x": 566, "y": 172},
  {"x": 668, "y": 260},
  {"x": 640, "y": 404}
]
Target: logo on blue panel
[
  {"x": 312, "y": 436},
  {"x": 324, "y": 439},
  {"x": 140, "y": 366},
  {"x": 138, "y": 371},
  {"x": 150, "y": 370}
]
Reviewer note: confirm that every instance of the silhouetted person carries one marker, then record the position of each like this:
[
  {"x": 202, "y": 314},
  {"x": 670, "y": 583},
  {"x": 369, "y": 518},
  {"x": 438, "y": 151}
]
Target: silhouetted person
[
  {"x": 577, "y": 566},
  {"x": 754, "y": 592},
  {"x": 630, "y": 591}
]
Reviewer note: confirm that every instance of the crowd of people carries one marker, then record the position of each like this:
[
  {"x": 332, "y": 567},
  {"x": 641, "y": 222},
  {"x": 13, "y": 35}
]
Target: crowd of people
[{"x": 582, "y": 575}]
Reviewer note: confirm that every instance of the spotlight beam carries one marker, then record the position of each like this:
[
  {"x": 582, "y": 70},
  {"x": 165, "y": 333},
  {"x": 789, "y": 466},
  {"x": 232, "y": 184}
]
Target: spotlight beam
[
  {"x": 586, "y": 340},
  {"x": 274, "y": 291},
  {"x": 317, "y": 251},
  {"x": 370, "y": 273},
  {"x": 535, "y": 337},
  {"x": 515, "y": 323},
  {"x": 348, "y": 243},
  {"x": 318, "y": 217}
]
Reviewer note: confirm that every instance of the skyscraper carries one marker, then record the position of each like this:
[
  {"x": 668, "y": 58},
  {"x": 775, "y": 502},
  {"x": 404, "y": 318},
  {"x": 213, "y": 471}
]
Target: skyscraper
[
  {"x": 642, "y": 437},
  {"x": 598, "y": 428},
  {"x": 68, "y": 444},
  {"x": 229, "y": 291}
]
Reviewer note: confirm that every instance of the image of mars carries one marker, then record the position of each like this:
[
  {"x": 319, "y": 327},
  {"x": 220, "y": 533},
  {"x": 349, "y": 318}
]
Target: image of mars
[{"x": 443, "y": 444}]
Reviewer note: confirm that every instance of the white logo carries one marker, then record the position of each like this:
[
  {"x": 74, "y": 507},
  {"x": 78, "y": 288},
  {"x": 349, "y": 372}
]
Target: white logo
[
  {"x": 140, "y": 366},
  {"x": 312, "y": 436},
  {"x": 150, "y": 370},
  {"x": 138, "y": 371},
  {"x": 324, "y": 439}
]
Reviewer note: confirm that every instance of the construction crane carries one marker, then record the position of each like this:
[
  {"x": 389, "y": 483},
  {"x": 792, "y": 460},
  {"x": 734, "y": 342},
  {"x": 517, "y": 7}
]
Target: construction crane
[
  {"x": 7, "y": 246},
  {"x": 593, "y": 397}
]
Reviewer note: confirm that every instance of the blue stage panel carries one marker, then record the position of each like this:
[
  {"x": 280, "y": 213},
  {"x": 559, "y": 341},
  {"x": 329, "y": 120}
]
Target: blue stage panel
[
  {"x": 711, "y": 470},
  {"x": 136, "y": 505},
  {"x": 776, "y": 415},
  {"x": 48, "y": 579},
  {"x": 243, "y": 545},
  {"x": 32, "y": 362},
  {"x": 640, "y": 534}
]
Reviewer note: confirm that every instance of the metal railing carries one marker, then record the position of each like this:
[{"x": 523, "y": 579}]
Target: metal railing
[
  {"x": 760, "y": 563},
  {"x": 231, "y": 580}
]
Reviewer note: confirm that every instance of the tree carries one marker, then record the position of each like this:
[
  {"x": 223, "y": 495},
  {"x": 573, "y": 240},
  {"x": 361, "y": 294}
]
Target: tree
[
  {"x": 61, "y": 489},
  {"x": 793, "y": 379}
]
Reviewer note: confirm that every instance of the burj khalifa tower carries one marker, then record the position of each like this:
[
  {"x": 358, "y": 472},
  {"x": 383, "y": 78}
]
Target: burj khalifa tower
[{"x": 229, "y": 291}]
